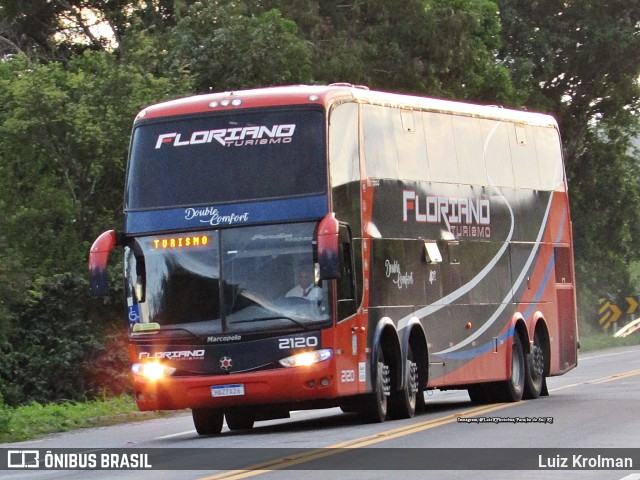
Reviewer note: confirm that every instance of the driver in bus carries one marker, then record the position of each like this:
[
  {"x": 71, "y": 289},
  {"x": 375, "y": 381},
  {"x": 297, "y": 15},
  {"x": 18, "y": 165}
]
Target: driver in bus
[{"x": 305, "y": 285}]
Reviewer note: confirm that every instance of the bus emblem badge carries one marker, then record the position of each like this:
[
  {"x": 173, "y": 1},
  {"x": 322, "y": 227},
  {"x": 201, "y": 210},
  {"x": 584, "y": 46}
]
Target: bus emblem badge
[{"x": 226, "y": 363}]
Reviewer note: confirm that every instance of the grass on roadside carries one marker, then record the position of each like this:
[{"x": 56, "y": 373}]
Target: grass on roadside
[
  {"x": 601, "y": 340},
  {"x": 35, "y": 420}
]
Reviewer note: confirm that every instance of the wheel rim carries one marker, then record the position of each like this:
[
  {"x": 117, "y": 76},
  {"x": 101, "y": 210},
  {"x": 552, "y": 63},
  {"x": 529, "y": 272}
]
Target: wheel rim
[
  {"x": 516, "y": 367},
  {"x": 384, "y": 384},
  {"x": 412, "y": 381},
  {"x": 537, "y": 363}
]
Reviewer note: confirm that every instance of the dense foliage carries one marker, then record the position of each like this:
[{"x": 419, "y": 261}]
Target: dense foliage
[{"x": 69, "y": 92}]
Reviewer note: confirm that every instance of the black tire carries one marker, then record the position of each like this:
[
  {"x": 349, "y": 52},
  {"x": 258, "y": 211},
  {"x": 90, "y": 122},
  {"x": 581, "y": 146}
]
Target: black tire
[
  {"x": 534, "y": 378},
  {"x": 512, "y": 389},
  {"x": 405, "y": 402},
  {"x": 374, "y": 406},
  {"x": 482, "y": 393},
  {"x": 350, "y": 405},
  {"x": 208, "y": 421},
  {"x": 240, "y": 419}
]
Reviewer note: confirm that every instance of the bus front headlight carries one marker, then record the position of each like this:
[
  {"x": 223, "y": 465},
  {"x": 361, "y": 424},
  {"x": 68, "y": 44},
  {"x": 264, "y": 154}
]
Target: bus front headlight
[
  {"x": 152, "y": 370},
  {"x": 305, "y": 359}
]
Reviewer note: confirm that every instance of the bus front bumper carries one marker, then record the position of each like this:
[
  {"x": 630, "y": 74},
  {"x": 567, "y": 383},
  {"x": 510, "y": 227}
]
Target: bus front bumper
[{"x": 287, "y": 385}]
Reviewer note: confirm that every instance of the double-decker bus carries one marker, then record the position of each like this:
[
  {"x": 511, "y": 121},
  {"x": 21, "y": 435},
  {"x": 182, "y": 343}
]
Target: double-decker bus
[{"x": 304, "y": 247}]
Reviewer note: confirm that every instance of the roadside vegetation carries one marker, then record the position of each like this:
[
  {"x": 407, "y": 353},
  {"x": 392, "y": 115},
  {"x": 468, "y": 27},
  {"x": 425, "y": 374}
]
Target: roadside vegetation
[
  {"x": 600, "y": 340},
  {"x": 35, "y": 420}
]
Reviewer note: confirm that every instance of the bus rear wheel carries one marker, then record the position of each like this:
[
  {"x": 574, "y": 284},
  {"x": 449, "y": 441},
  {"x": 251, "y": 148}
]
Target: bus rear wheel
[
  {"x": 534, "y": 378},
  {"x": 208, "y": 421},
  {"x": 405, "y": 402},
  {"x": 512, "y": 389}
]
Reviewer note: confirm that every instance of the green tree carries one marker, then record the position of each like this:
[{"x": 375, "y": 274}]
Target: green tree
[
  {"x": 58, "y": 350},
  {"x": 443, "y": 48},
  {"x": 61, "y": 29},
  {"x": 581, "y": 62},
  {"x": 64, "y": 133},
  {"x": 224, "y": 47},
  {"x": 605, "y": 204}
]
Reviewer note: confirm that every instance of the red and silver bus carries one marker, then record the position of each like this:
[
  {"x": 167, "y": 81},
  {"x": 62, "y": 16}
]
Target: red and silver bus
[{"x": 304, "y": 247}]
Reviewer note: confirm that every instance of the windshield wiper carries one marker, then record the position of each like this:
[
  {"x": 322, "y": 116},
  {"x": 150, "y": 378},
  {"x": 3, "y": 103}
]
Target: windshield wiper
[{"x": 278, "y": 317}]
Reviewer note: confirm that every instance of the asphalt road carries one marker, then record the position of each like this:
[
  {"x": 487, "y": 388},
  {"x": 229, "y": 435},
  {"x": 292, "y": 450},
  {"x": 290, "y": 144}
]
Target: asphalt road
[{"x": 595, "y": 406}]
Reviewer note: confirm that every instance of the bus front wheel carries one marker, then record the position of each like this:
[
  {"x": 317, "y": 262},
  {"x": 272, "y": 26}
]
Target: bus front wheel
[
  {"x": 208, "y": 421},
  {"x": 374, "y": 405},
  {"x": 240, "y": 419}
]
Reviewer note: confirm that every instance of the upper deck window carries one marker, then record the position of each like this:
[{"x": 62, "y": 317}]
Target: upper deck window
[{"x": 230, "y": 157}]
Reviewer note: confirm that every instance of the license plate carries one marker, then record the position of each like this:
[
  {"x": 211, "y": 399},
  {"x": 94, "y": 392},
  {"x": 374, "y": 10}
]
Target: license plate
[{"x": 227, "y": 390}]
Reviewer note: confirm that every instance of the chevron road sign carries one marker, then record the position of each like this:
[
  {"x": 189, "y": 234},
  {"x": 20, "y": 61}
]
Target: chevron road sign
[
  {"x": 609, "y": 313},
  {"x": 633, "y": 304}
]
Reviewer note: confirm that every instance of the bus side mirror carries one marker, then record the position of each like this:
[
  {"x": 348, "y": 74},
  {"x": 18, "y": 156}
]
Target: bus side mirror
[
  {"x": 328, "y": 256},
  {"x": 98, "y": 259}
]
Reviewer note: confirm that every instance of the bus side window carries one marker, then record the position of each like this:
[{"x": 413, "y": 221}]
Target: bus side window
[{"x": 345, "y": 283}]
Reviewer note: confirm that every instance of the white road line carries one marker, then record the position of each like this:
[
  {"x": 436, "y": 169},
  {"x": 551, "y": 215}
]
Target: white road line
[
  {"x": 189, "y": 432},
  {"x": 565, "y": 386},
  {"x": 608, "y": 355}
]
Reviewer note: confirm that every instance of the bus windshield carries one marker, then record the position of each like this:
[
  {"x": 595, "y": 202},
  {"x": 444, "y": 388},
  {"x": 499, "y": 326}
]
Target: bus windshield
[
  {"x": 252, "y": 279},
  {"x": 226, "y": 157}
]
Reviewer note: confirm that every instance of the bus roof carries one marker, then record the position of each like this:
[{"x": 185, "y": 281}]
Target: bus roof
[{"x": 327, "y": 95}]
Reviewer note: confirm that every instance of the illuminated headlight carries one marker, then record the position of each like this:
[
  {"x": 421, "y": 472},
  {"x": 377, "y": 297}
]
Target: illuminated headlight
[
  {"x": 152, "y": 371},
  {"x": 306, "y": 358}
]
